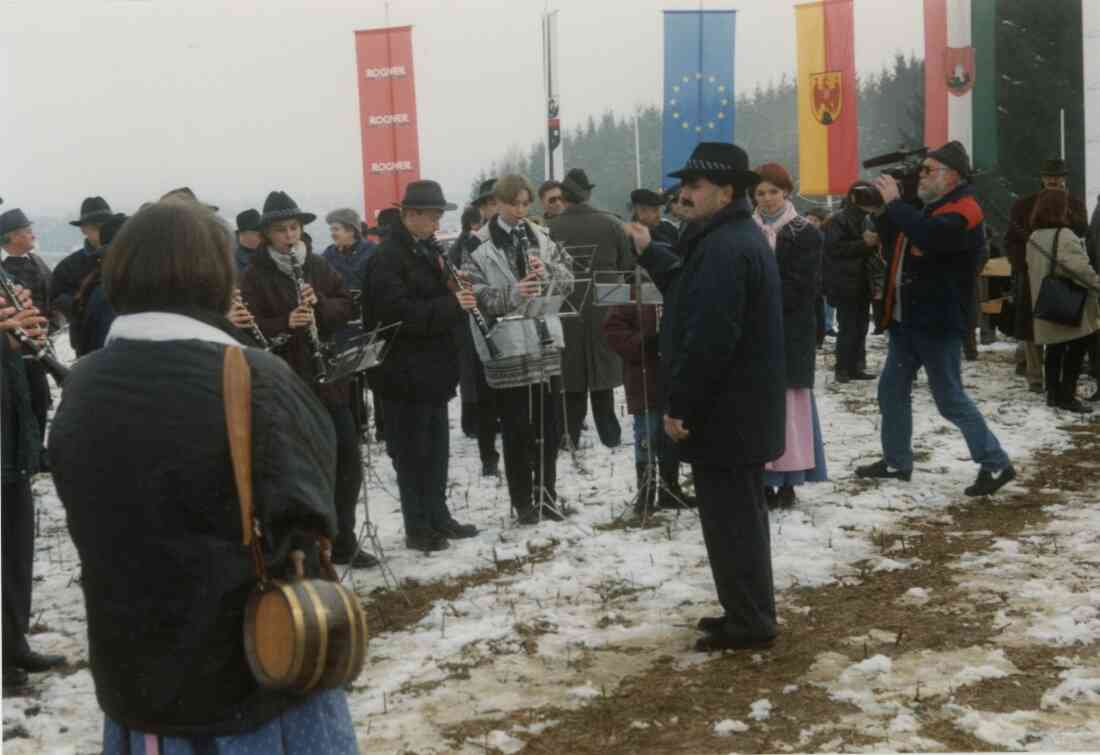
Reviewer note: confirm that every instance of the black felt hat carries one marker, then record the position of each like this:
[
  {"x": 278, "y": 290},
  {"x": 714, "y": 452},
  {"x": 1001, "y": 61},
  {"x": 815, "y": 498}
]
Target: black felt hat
[
  {"x": 954, "y": 156},
  {"x": 485, "y": 191},
  {"x": 718, "y": 161},
  {"x": 576, "y": 187},
  {"x": 279, "y": 206},
  {"x": 1054, "y": 167},
  {"x": 13, "y": 220},
  {"x": 93, "y": 210},
  {"x": 425, "y": 195},
  {"x": 249, "y": 220},
  {"x": 646, "y": 198}
]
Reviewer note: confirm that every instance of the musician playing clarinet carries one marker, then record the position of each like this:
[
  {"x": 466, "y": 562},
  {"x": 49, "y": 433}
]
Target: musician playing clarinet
[
  {"x": 293, "y": 292},
  {"x": 516, "y": 261},
  {"x": 408, "y": 282}
]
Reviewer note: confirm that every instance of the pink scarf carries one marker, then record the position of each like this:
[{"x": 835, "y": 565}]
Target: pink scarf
[{"x": 771, "y": 230}]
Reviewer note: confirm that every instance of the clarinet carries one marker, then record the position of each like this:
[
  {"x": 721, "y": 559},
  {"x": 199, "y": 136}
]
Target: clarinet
[
  {"x": 42, "y": 352},
  {"x": 317, "y": 349},
  {"x": 258, "y": 335},
  {"x": 475, "y": 313},
  {"x": 545, "y": 337}
]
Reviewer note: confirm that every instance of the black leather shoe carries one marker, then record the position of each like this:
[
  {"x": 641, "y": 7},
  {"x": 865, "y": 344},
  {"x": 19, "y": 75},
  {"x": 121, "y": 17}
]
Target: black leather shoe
[
  {"x": 456, "y": 530},
  {"x": 843, "y": 377},
  {"x": 362, "y": 560},
  {"x": 35, "y": 662},
  {"x": 490, "y": 469},
  {"x": 864, "y": 376},
  {"x": 988, "y": 483},
  {"x": 1073, "y": 405},
  {"x": 531, "y": 515},
  {"x": 723, "y": 639},
  {"x": 711, "y": 623},
  {"x": 426, "y": 541},
  {"x": 881, "y": 470},
  {"x": 14, "y": 677}
]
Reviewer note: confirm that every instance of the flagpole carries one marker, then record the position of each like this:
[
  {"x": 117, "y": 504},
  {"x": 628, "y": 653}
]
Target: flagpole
[{"x": 637, "y": 153}]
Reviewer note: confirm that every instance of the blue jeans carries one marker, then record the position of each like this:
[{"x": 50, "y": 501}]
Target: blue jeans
[
  {"x": 649, "y": 432},
  {"x": 830, "y": 316},
  {"x": 941, "y": 357}
]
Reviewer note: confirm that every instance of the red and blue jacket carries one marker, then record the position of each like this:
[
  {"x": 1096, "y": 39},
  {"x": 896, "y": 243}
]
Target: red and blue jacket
[{"x": 937, "y": 248}]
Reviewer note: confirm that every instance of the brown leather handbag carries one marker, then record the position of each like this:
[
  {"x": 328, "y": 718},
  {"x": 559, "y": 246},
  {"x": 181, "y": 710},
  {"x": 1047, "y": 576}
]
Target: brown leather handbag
[{"x": 300, "y": 634}]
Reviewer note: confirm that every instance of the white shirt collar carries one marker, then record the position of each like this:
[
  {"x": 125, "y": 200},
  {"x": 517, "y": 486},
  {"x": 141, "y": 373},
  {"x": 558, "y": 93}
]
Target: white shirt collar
[{"x": 166, "y": 326}]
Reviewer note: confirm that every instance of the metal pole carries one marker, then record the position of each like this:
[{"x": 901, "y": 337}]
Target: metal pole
[
  {"x": 1062, "y": 118},
  {"x": 637, "y": 154}
]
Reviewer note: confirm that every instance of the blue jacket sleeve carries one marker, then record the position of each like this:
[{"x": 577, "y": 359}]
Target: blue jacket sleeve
[
  {"x": 943, "y": 233},
  {"x": 662, "y": 264}
]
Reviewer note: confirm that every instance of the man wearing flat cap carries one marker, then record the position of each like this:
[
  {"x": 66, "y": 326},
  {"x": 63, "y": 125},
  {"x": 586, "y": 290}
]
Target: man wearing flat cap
[
  {"x": 1052, "y": 175},
  {"x": 590, "y": 368},
  {"x": 408, "y": 283},
  {"x": 646, "y": 207},
  {"x": 721, "y": 345},
  {"x": 927, "y": 307},
  {"x": 71, "y": 271}
]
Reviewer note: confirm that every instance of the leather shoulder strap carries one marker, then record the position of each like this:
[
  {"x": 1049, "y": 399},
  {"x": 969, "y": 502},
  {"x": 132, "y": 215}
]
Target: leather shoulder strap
[
  {"x": 1054, "y": 251},
  {"x": 237, "y": 390}
]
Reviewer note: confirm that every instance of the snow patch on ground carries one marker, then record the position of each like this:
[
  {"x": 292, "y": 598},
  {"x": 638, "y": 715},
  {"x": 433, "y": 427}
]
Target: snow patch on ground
[{"x": 729, "y": 726}]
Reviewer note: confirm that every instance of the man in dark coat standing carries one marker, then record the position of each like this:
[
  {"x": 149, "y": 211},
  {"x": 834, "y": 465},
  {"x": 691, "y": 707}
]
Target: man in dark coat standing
[
  {"x": 71, "y": 271},
  {"x": 848, "y": 246},
  {"x": 721, "y": 347},
  {"x": 589, "y": 366},
  {"x": 20, "y": 446},
  {"x": 1052, "y": 175},
  {"x": 408, "y": 283}
]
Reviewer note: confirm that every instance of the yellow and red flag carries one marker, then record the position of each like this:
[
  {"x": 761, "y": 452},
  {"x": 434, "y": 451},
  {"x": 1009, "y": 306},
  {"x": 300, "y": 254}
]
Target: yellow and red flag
[{"x": 828, "y": 113}]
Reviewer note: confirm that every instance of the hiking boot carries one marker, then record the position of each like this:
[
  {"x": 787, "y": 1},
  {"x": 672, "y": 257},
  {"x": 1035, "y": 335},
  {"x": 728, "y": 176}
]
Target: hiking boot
[
  {"x": 361, "y": 560},
  {"x": 456, "y": 530},
  {"x": 988, "y": 483},
  {"x": 426, "y": 541},
  {"x": 881, "y": 470}
]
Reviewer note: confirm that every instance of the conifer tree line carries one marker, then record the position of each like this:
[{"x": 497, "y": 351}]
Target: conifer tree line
[{"x": 1039, "y": 72}]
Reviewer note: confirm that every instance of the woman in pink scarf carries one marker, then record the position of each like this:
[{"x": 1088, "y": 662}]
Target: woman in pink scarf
[{"x": 798, "y": 248}]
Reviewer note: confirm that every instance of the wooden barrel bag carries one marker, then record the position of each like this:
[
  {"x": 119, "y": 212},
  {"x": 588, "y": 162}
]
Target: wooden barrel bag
[{"x": 300, "y": 634}]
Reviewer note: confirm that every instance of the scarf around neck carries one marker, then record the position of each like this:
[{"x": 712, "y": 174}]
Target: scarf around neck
[
  {"x": 772, "y": 225},
  {"x": 282, "y": 261}
]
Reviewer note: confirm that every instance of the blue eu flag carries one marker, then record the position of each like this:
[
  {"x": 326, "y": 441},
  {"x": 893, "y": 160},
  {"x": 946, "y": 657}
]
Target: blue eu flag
[{"x": 698, "y": 104}]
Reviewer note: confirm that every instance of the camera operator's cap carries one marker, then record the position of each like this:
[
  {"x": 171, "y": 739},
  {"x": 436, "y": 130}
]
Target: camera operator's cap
[
  {"x": 718, "y": 160},
  {"x": 485, "y": 191},
  {"x": 13, "y": 220},
  {"x": 249, "y": 220},
  {"x": 646, "y": 198},
  {"x": 1054, "y": 167},
  {"x": 425, "y": 195},
  {"x": 279, "y": 206},
  {"x": 954, "y": 156}
]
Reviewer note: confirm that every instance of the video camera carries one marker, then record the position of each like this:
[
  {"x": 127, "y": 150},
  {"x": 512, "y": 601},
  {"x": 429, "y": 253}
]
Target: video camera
[{"x": 905, "y": 169}]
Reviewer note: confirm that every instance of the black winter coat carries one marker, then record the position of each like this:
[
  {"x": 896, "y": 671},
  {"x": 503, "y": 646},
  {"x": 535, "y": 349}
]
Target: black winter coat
[
  {"x": 407, "y": 284},
  {"x": 21, "y": 442},
  {"x": 33, "y": 274},
  {"x": 67, "y": 277},
  {"x": 722, "y": 339},
  {"x": 141, "y": 463},
  {"x": 844, "y": 269},
  {"x": 798, "y": 255}
]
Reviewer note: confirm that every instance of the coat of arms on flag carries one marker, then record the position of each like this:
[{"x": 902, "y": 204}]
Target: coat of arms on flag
[
  {"x": 825, "y": 96},
  {"x": 959, "y": 65}
]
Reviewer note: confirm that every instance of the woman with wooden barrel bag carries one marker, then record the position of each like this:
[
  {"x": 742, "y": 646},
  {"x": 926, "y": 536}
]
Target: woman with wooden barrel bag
[
  {"x": 1064, "y": 298},
  {"x": 145, "y": 470}
]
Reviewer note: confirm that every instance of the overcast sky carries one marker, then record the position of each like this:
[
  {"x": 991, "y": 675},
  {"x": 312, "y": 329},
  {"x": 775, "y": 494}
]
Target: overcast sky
[{"x": 129, "y": 98}]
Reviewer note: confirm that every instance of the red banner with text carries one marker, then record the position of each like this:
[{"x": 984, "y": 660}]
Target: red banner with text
[{"x": 387, "y": 114}]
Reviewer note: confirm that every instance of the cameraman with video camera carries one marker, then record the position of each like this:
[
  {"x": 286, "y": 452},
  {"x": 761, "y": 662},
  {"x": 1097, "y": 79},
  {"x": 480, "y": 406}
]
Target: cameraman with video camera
[{"x": 929, "y": 294}]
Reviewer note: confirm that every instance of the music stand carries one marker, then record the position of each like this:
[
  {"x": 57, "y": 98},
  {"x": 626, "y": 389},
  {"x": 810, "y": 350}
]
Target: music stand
[{"x": 640, "y": 291}]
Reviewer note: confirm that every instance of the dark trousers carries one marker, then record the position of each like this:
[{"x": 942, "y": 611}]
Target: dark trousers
[
  {"x": 349, "y": 478},
  {"x": 17, "y": 546},
  {"x": 734, "y": 515},
  {"x": 488, "y": 423},
  {"x": 1062, "y": 367},
  {"x": 41, "y": 400},
  {"x": 853, "y": 317},
  {"x": 1094, "y": 354},
  {"x": 528, "y": 422},
  {"x": 603, "y": 412},
  {"x": 418, "y": 443}
]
